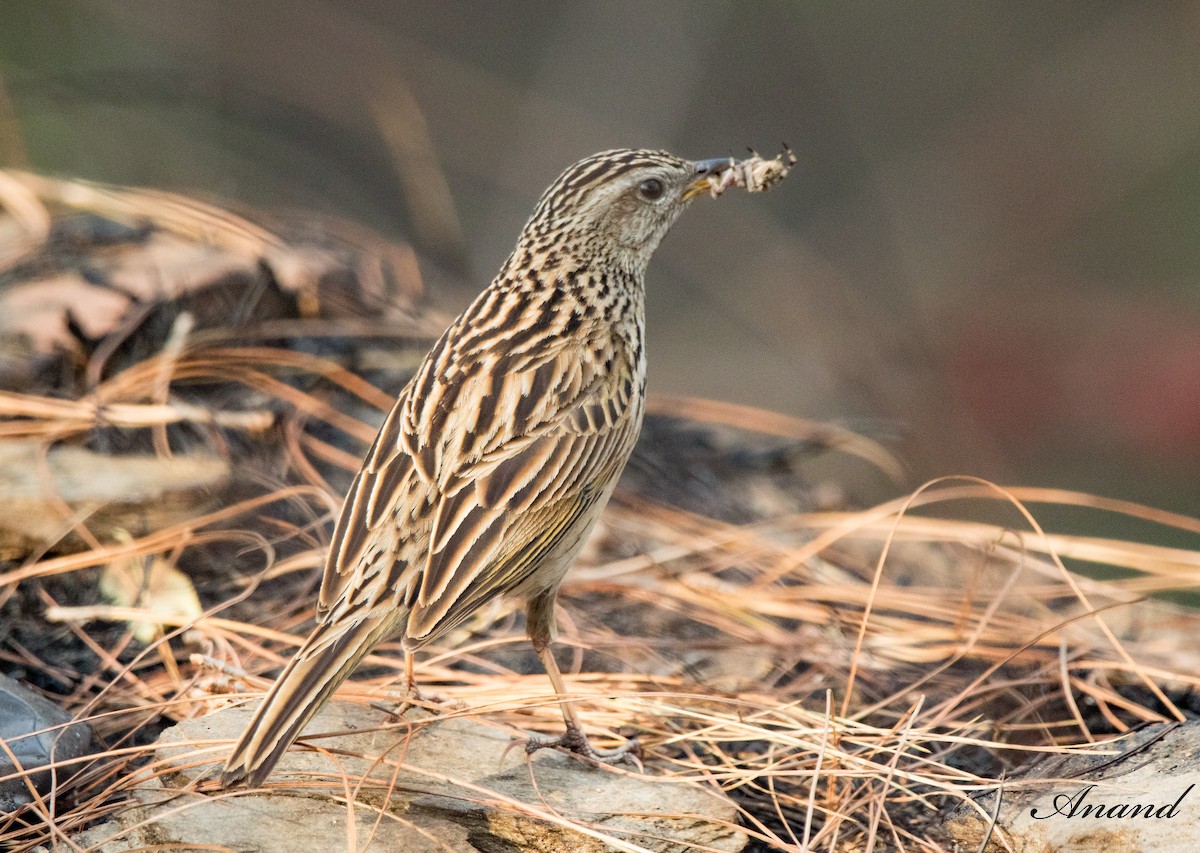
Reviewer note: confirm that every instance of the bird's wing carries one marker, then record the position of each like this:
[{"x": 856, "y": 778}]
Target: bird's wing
[
  {"x": 471, "y": 407},
  {"x": 512, "y": 437},
  {"x": 502, "y": 567},
  {"x": 385, "y": 486},
  {"x": 527, "y": 482}
]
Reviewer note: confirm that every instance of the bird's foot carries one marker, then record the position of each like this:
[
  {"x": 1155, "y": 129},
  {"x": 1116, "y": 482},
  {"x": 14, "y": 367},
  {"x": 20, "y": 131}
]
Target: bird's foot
[
  {"x": 412, "y": 698},
  {"x": 574, "y": 740},
  {"x": 395, "y": 709}
]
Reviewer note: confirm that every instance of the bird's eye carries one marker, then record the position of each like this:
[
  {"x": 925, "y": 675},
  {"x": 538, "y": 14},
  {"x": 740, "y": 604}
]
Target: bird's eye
[{"x": 651, "y": 188}]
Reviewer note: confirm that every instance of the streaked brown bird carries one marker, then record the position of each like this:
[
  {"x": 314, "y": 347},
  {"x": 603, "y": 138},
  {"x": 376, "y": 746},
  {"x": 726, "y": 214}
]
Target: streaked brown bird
[{"x": 499, "y": 455}]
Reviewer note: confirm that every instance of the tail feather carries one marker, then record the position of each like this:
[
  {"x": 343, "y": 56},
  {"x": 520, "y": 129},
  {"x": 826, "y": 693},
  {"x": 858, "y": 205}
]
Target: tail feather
[{"x": 321, "y": 664}]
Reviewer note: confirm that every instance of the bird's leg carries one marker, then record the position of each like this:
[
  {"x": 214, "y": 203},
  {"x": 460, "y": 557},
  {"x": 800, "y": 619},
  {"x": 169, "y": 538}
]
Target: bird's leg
[
  {"x": 540, "y": 624},
  {"x": 412, "y": 693}
]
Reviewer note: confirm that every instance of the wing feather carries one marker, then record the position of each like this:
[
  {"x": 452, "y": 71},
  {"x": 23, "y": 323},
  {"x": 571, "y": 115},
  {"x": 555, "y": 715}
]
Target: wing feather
[
  {"x": 483, "y": 535},
  {"x": 454, "y": 560},
  {"x": 374, "y": 495},
  {"x": 545, "y": 532}
]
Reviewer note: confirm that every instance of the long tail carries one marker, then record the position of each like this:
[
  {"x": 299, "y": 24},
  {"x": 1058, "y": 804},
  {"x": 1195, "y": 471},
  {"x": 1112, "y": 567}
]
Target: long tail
[{"x": 324, "y": 661}]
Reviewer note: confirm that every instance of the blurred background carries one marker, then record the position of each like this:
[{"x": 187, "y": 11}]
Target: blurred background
[{"x": 987, "y": 255}]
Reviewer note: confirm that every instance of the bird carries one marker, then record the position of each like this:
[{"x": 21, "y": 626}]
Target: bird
[{"x": 501, "y": 451}]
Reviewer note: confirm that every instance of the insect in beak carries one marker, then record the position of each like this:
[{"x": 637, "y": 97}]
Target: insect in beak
[
  {"x": 706, "y": 170},
  {"x": 755, "y": 174}
]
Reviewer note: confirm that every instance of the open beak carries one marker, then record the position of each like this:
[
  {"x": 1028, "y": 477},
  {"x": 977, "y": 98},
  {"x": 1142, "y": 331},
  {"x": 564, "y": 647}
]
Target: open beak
[{"x": 706, "y": 169}]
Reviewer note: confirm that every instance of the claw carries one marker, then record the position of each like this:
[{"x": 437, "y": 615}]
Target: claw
[
  {"x": 574, "y": 740},
  {"x": 411, "y": 699}
]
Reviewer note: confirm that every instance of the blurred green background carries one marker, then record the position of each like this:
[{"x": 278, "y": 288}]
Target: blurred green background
[{"x": 989, "y": 250}]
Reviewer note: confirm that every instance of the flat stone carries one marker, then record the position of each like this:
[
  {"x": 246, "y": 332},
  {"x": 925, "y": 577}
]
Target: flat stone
[
  {"x": 1146, "y": 797},
  {"x": 442, "y": 788},
  {"x": 22, "y": 712}
]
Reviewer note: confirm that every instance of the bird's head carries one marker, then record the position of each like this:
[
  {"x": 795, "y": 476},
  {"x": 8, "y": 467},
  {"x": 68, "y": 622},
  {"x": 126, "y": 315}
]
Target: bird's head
[{"x": 616, "y": 206}]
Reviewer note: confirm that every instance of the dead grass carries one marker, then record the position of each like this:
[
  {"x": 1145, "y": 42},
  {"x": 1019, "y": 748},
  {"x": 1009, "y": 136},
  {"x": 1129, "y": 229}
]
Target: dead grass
[
  {"x": 888, "y": 640},
  {"x": 842, "y": 676}
]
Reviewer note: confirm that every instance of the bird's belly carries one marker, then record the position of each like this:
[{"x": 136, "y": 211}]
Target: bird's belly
[{"x": 558, "y": 560}]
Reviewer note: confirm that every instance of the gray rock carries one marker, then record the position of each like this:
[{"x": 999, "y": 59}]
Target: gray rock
[
  {"x": 23, "y": 711},
  {"x": 450, "y": 793},
  {"x": 1145, "y": 797}
]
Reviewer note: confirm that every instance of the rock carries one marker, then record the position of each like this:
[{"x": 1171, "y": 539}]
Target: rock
[
  {"x": 21, "y": 712},
  {"x": 1146, "y": 797},
  {"x": 450, "y": 793}
]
